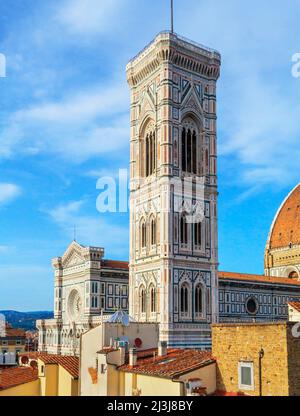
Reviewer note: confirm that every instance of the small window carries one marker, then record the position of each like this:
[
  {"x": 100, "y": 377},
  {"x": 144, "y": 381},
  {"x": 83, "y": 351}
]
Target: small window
[
  {"x": 124, "y": 290},
  {"x": 246, "y": 376},
  {"x": 102, "y": 288}
]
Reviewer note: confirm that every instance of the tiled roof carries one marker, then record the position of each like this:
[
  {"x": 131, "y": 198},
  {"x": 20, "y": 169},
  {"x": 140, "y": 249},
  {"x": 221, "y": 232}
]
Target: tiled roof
[
  {"x": 107, "y": 350},
  {"x": 12, "y": 377},
  {"x": 229, "y": 394},
  {"x": 14, "y": 332},
  {"x": 257, "y": 278},
  {"x": 286, "y": 228},
  {"x": 114, "y": 264},
  {"x": 174, "y": 364},
  {"x": 295, "y": 305},
  {"x": 68, "y": 362},
  {"x": 31, "y": 355}
]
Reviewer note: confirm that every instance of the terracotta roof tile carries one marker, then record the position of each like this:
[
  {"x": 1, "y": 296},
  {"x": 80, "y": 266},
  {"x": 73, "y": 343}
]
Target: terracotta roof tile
[
  {"x": 32, "y": 355},
  {"x": 229, "y": 394},
  {"x": 295, "y": 305},
  {"x": 69, "y": 363},
  {"x": 12, "y": 377},
  {"x": 14, "y": 332},
  {"x": 175, "y": 363},
  {"x": 115, "y": 264},
  {"x": 257, "y": 278},
  {"x": 286, "y": 228}
]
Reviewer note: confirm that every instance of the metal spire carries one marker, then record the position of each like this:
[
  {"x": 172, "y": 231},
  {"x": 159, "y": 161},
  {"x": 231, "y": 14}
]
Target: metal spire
[{"x": 172, "y": 16}]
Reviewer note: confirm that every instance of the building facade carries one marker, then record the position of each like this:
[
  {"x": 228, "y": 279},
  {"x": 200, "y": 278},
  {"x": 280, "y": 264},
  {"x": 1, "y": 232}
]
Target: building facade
[
  {"x": 86, "y": 286},
  {"x": 12, "y": 343},
  {"x": 173, "y": 218},
  {"x": 261, "y": 359},
  {"x": 248, "y": 298}
]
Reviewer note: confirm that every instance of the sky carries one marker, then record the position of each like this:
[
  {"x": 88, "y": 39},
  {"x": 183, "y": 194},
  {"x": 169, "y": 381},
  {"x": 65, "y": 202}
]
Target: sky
[{"x": 64, "y": 122}]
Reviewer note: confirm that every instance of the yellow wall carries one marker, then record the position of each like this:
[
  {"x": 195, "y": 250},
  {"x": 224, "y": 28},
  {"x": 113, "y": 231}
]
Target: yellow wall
[
  {"x": 149, "y": 386},
  {"x": 154, "y": 386},
  {"x": 49, "y": 380},
  {"x": 235, "y": 343},
  {"x": 27, "y": 389},
  {"x": 67, "y": 386},
  {"x": 207, "y": 374}
]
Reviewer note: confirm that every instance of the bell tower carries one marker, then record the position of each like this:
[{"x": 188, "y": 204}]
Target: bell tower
[{"x": 173, "y": 189}]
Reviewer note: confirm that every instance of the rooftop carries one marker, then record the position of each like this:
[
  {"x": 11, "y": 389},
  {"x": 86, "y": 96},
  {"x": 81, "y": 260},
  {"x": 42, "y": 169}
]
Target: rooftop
[
  {"x": 258, "y": 278},
  {"x": 167, "y": 34},
  {"x": 69, "y": 363},
  {"x": 295, "y": 305},
  {"x": 12, "y": 377},
  {"x": 172, "y": 365},
  {"x": 115, "y": 264},
  {"x": 13, "y": 332}
]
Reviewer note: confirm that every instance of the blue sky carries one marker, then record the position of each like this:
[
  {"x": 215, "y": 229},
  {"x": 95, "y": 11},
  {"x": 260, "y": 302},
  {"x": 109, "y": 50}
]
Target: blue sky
[{"x": 64, "y": 123}]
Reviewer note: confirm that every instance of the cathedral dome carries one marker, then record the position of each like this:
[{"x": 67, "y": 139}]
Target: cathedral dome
[{"x": 285, "y": 230}]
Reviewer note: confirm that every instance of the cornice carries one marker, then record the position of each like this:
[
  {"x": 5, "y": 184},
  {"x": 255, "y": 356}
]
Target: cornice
[{"x": 168, "y": 48}]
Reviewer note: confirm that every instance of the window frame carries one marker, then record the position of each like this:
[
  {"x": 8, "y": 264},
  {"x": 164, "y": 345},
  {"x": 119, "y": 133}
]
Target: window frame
[{"x": 246, "y": 364}]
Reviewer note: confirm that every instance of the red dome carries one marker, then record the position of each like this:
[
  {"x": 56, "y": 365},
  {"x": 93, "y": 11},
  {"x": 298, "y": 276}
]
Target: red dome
[{"x": 286, "y": 226}]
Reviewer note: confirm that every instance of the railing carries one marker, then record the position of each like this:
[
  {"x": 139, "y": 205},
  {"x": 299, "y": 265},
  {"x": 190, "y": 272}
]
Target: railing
[{"x": 175, "y": 36}]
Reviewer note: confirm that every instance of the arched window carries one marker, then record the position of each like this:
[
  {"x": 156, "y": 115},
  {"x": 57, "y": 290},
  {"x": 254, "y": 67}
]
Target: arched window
[
  {"x": 143, "y": 234},
  {"x": 143, "y": 300},
  {"x": 183, "y": 230},
  {"x": 184, "y": 299},
  {"x": 198, "y": 300},
  {"x": 293, "y": 275},
  {"x": 153, "y": 231},
  {"x": 197, "y": 234},
  {"x": 153, "y": 299},
  {"x": 150, "y": 154},
  {"x": 189, "y": 148}
]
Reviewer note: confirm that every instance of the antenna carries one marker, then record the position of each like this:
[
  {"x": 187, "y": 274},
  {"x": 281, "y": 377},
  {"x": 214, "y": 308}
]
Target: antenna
[
  {"x": 75, "y": 236},
  {"x": 172, "y": 16}
]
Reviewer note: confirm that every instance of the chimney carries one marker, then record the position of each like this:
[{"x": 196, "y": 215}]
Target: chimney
[
  {"x": 132, "y": 357},
  {"x": 162, "y": 348},
  {"x": 122, "y": 352}
]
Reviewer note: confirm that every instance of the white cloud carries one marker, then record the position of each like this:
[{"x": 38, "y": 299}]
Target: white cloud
[
  {"x": 78, "y": 127},
  {"x": 97, "y": 230},
  {"x": 85, "y": 106},
  {"x": 4, "y": 249},
  {"x": 258, "y": 98},
  {"x": 87, "y": 17},
  {"x": 8, "y": 192}
]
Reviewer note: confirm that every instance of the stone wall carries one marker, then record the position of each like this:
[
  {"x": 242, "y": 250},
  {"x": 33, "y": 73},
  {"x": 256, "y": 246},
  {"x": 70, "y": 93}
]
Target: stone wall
[{"x": 233, "y": 343}]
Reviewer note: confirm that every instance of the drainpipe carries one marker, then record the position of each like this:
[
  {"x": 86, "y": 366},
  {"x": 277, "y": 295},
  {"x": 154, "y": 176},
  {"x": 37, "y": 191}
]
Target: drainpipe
[{"x": 260, "y": 357}]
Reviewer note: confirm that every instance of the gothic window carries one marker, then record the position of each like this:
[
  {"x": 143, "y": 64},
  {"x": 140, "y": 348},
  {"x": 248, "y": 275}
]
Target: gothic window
[
  {"x": 189, "y": 148},
  {"x": 197, "y": 234},
  {"x": 150, "y": 156},
  {"x": 184, "y": 299},
  {"x": 198, "y": 300},
  {"x": 143, "y": 300},
  {"x": 153, "y": 299},
  {"x": 183, "y": 230},
  {"x": 153, "y": 231},
  {"x": 143, "y": 234}
]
